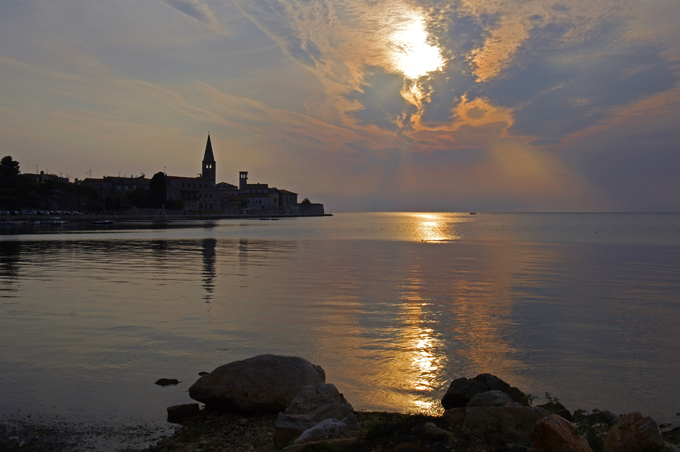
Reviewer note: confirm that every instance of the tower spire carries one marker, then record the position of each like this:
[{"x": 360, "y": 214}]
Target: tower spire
[{"x": 209, "y": 169}]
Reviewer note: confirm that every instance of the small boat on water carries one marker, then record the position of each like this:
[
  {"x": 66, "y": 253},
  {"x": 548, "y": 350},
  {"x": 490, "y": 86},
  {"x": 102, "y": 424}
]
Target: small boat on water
[
  {"x": 102, "y": 222},
  {"x": 473, "y": 213}
]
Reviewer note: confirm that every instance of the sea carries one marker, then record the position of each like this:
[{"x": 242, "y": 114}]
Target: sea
[{"x": 393, "y": 306}]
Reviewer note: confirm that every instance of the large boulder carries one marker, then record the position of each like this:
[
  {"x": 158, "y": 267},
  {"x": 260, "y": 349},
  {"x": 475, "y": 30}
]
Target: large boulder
[
  {"x": 634, "y": 433},
  {"x": 462, "y": 390},
  {"x": 555, "y": 434},
  {"x": 264, "y": 383}
]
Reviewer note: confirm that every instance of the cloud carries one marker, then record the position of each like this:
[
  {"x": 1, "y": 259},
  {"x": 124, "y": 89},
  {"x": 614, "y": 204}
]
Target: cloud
[{"x": 199, "y": 12}]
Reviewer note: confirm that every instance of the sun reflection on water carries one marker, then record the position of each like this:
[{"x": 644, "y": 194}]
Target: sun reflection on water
[{"x": 434, "y": 227}]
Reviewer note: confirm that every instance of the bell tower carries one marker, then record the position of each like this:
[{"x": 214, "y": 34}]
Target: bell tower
[
  {"x": 242, "y": 180},
  {"x": 209, "y": 170}
]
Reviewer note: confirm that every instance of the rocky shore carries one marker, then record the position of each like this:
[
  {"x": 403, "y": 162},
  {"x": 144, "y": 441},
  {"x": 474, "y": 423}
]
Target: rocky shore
[
  {"x": 274, "y": 403},
  {"x": 270, "y": 403}
]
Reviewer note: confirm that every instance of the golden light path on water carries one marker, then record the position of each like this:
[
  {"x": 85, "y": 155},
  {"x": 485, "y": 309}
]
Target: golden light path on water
[{"x": 431, "y": 227}]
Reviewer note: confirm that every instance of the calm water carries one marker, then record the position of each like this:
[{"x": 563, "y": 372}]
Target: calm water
[{"x": 392, "y": 306}]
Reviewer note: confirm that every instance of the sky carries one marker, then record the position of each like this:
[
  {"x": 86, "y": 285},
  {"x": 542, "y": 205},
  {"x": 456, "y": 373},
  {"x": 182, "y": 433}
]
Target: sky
[{"x": 363, "y": 105}]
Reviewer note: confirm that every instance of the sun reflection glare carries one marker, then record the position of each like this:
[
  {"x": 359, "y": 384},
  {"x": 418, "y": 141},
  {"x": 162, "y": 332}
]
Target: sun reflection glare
[
  {"x": 414, "y": 56},
  {"x": 432, "y": 227}
]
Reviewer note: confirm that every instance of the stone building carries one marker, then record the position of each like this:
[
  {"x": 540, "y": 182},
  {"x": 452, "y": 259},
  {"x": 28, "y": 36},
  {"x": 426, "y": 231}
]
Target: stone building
[{"x": 198, "y": 193}]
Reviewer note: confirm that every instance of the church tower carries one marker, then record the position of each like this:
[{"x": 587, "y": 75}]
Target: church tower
[{"x": 209, "y": 163}]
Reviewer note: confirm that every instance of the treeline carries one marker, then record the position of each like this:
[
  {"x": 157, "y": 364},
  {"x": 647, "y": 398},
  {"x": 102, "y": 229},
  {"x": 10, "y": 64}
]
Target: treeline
[{"x": 19, "y": 192}]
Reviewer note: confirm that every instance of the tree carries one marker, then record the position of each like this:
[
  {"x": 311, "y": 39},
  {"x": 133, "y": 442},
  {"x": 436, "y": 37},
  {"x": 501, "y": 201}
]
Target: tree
[
  {"x": 306, "y": 201},
  {"x": 157, "y": 189},
  {"x": 16, "y": 191},
  {"x": 9, "y": 169}
]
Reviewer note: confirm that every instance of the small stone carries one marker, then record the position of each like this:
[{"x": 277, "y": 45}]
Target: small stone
[
  {"x": 167, "y": 381},
  {"x": 203, "y": 373}
]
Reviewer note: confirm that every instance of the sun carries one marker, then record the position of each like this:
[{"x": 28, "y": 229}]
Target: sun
[{"x": 413, "y": 55}]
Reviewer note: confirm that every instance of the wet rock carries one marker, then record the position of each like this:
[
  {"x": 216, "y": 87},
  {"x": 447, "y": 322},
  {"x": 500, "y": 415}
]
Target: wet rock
[
  {"x": 265, "y": 383},
  {"x": 289, "y": 427},
  {"x": 634, "y": 433},
  {"x": 177, "y": 413},
  {"x": 555, "y": 434},
  {"x": 167, "y": 382},
  {"x": 490, "y": 398}
]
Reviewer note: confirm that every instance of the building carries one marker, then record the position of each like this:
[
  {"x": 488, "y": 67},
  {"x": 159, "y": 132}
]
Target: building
[
  {"x": 203, "y": 194},
  {"x": 42, "y": 177},
  {"x": 198, "y": 193},
  {"x": 109, "y": 185}
]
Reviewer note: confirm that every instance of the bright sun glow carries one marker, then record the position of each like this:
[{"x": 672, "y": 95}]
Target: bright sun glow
[{"x": 414, "y": 56}]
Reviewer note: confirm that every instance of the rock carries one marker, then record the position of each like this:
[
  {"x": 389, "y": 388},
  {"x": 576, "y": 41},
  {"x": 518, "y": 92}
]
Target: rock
[
  {"x": 634, "y": 433},
  {"x": 289, "y": 427},
  {"x": 507, "y": 421},
  {"x": 351, "y": 423},
  {"x": 461, "y": 391},
  {"x": 167, "y": 381},
  {"x": 555, "y": 434},
  {"x": 265, "y": 383},
  {"x": 330, "y": 411},
  {"x": 312, "y": 397},
  {"x": 203, "y": 373},
  {"x": 323, "y": 428},
  {"x": 432, "y": 432},
  {"x": 455, "y": 417},
  {"x": 493, "y": 382},
  {"x": 490, "y": 398},
  {"x": 178, "y": 412},
  {"x": 556, "y": 407}
]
